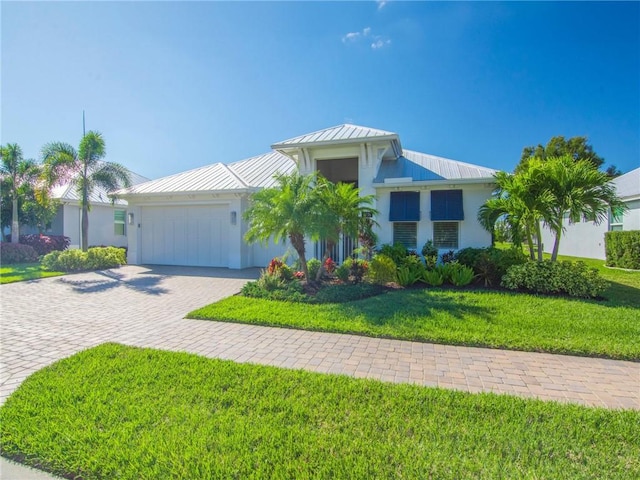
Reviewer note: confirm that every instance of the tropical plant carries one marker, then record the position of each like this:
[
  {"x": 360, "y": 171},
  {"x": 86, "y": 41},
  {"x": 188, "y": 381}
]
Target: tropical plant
[
  {"x": 430, "y": 254},
  {"x": 343, "y": 212},
  {"x": 433, "y": 277},
  {"x": 382, "y": 269},
  {"x": 18, "y": 177},
  {"x": 287, "y": 210},
  {"x": 86, "y": 170},
  {"x": 578, "y": 190}
]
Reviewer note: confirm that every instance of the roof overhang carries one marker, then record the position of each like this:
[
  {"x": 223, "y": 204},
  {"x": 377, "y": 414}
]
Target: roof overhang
[{"x": 489, "y": 182}]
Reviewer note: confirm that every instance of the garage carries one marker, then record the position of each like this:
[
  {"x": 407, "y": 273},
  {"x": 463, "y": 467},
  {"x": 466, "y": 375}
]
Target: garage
[{"x": 185, "y": 235}]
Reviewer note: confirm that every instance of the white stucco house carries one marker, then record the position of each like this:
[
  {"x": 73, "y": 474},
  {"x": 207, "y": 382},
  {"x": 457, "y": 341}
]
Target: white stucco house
[
  {"x": 107, "y": 218},
  {"x": 195, "y": 217},
  {"x": 585, "y": 238}
]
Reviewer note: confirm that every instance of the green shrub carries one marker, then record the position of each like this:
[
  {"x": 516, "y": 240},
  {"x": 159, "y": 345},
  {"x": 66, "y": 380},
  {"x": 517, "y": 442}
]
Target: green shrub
[
  {"x": 271, "y": 287},
  {"x": 623, "y": 249},
  {"x": 490, "y": 264},
  {"x": 460, "y": 275},
  {"x": 97, "y": 258},
  {"x": 279, "y": 269},
  {"x": 396, "y": 252},
  {"x": 313, "y": 266},
  {"x": 410, "y": 270},
  {"x": 433, "y": 278},
  {"x": 342, "y": 272},
  {"x": 382, "y": 270},
  {"x": 17, "y": 253},
  {"x": 430, "y": 254},
  {"x": 574, "y": 279}
]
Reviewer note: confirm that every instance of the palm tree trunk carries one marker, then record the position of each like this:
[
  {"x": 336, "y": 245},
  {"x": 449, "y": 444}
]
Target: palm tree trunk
[
  {"x": 327, "y": 253},
  {"x": 530, "y": 241},
  {"x": 539, "y": 235},
  {"x": 15, "y": 221},
  {"x": 297, "y": 242},
  {"x": 85, "y": 228},
  {"x": 556, "y": 246}
]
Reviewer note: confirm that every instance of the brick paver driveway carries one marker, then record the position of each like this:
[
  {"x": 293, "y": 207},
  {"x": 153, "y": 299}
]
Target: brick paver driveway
[{"x": 46, "y": 320}]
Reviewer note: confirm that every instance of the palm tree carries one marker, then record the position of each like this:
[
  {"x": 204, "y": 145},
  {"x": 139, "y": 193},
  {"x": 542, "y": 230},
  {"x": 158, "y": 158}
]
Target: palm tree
[
  {"x": 523, "y": 200},
  {"x": 86, "y": 170},
  {"x": 18, "y": 177},
  {"x": 344, "y": 212},
  {"x": 578, "y": 190},
  {"x": 288, "y": 210}
]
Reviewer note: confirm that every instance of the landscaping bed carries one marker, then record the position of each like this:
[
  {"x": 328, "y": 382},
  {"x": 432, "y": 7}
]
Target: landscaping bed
[{"x": 123, "y": 412}]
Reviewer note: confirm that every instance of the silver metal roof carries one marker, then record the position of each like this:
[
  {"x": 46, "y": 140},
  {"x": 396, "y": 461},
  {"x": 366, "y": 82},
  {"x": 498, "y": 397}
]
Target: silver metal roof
[
  {"x": 339, "y": 134},
  {"x": 254, "y": 172},
  {"x": 69, "y": 192},
  {"x": 628, "y": 185},
  {"x": 422, "y": 167}
]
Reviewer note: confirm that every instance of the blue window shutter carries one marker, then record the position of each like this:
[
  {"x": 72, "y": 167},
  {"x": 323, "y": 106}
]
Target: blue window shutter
[
  {"x": 405, "y": 207},
  {"x": 446, "y": 205}
]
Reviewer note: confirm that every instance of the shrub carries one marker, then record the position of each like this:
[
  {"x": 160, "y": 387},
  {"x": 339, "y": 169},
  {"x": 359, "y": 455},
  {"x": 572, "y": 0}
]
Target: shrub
[
  {"x": 490, "y": 264},
  {"x": 97, "y": 258},
  {"x": 17, "y": 253},
  {"x": 313, "y": 266},
  {"x": 448, "y": 257},
  {"x": 342, "y": 272},
  {"x": 329, "y": 265},
  {"x": 567, "y": 278},
  {"x": 430, "y": 254},
  {"x": 44, "y": 244},
  {"x": 279, "y": 270},
  {"x": 396, "y": 252},
  {"x": 623, "y": 249},
  {"x": 433, "y": 278},
  {"x": 273, "y": 288},
  {"x": 382, "y": 270},
  {"x": 460, "y": 275},
  {"x": 410, "y": 270},
  {"x": 352, "y": 269}
]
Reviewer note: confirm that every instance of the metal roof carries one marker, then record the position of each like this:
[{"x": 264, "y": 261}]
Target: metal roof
[
  {"x": 254, "y": 172},
  {"x": 339, "y": 134},
  {"x": 422, "y": 167},
  {"x": 628, "y": 185},
  {"x": 69, "y": 192}
]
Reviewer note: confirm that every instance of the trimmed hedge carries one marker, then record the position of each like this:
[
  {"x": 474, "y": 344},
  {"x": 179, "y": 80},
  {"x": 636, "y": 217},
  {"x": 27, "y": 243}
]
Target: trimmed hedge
[
  {"x": 17, "y": 253},
  {"x": 44, "y": 244},
  {"x": 97, "y": 258},
  {"x": 574, "y": 279},
  {"x": 623, "y": 249}
]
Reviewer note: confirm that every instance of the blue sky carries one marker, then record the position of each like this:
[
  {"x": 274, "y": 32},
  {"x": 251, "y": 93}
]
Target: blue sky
[{"x": 174, "y": 86}]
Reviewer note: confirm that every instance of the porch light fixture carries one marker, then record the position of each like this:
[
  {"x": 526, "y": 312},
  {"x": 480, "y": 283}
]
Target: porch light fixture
[
  {"x": 234, "y": 217},
  {"x": 130, "y": 217}
]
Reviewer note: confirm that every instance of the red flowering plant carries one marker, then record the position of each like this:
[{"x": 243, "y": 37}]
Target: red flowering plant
[{"x": 329, "y": 265}]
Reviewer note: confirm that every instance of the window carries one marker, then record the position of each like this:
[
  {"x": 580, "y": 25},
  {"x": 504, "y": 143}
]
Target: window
[
  {"x": 119, "y": 217},
  {"x": 615, "y": 220},
  {"x": 446, "y": 205},
  {"x": 405, "y": 207},
  {"x": 445, "y": 234},
  {"x": 406, "y": 233}
]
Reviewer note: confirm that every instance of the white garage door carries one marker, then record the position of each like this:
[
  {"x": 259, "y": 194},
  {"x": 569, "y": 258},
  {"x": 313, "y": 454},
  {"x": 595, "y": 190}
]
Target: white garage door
[{"x": 185, "y": 235}]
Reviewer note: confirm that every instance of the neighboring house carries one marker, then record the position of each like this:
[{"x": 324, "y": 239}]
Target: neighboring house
[
  {"x": 195, "y": 217},
  {"x": 585, "y": 238},
  {"x": 107, "y": 218}
]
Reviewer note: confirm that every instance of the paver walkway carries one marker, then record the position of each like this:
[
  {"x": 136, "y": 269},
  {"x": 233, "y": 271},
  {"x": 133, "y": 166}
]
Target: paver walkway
[{"x": 46, "y": 320}]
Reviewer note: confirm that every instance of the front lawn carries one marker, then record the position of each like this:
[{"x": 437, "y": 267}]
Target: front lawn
[
  {"x": 24, "y": 271},
  {"x": 497, "y": 319},
  {"x": 129, "y": 413}
]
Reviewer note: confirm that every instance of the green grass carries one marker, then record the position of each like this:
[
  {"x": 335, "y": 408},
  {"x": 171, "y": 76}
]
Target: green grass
[
  {"x": 24, "y": 271},
  {"x": 495, "y": 319},
  {"x": 129, "y": 413}
]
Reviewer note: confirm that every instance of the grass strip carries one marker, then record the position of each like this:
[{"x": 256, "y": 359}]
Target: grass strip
[
  {"x": 123, "y": 412},
  {"x": 472, "y": 317},
  {"x": 24, "y": 271}
]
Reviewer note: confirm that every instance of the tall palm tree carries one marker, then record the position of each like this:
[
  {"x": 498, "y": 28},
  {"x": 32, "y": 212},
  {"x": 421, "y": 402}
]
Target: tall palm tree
[
  {"x": 578, "y": 190},
  {"x": 344, "y": 212},
  {"x": 288, "y": 210},
  {"x": 86, "y": 170},
  {"x": 18, "y": 177}
]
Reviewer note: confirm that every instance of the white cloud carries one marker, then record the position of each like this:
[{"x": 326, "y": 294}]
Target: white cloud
[
  {"x": 351, "y": 37},
  {"x": 381, "y": 4},
  {"x": 366, "y": 31},
  {"x": 380, "y": 42}
]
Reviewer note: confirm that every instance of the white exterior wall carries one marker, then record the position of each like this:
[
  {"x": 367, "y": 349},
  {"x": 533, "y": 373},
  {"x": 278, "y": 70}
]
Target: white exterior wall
[
  {"x": 586, "y": 239},
  {"x": 470, "y": 232},
  {"x": 101, "y": 225}
]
